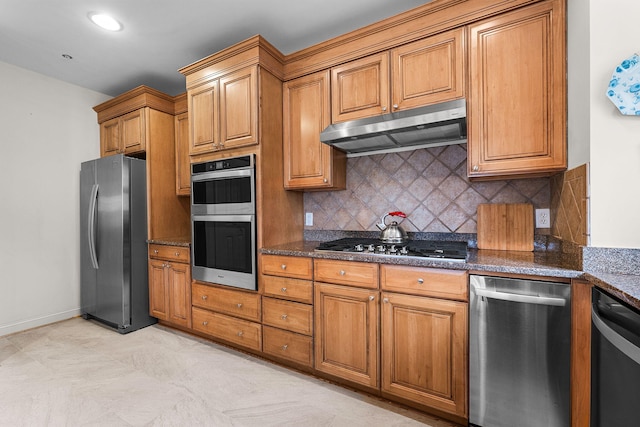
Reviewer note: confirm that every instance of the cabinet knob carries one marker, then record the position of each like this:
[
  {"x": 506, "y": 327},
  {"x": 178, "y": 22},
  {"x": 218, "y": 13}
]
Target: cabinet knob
[
  {"x": 325, "y": 180},
  {"x": 283, "y": 317},
  {"x": 385, "y": 300},
  {"x": 384, "y": 108},
  {"x": 475, "y": 168},
  {"x": 284, "y": 347},
  {"x": 284, "y": 290},
  {"x": 240, "y": 333},
  {"x": 283, "y": 266},
  {"x": 420, "y": 280},
  {"x": 168, "y": 266},
  {"x": 177, "y": 253},
  {"x": 155, "y": 251},
  {"x": 239, "y": 305},
  {"x": 164, "y": 265},
  {"x": 205, "y": 323},
  {"x": 204, "y": 297},
  {"x": 371, "y": 298},
  {"x": 342, "y": 272},
  {"x": 395, "y": 106}
]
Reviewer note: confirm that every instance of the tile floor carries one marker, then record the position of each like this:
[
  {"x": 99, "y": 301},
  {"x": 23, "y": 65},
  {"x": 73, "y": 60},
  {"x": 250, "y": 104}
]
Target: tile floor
[{"x": 78, "y": 373}]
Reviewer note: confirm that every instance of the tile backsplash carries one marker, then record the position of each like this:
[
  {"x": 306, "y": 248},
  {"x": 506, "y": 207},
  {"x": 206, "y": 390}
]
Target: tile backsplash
[
  {"x": 570, "y": 205},
  {"x": 430, "y": 185}
]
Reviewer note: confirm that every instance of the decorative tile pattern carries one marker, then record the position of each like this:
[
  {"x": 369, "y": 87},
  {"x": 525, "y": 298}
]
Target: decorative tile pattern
[
  {"x": 430, "y": 185},
  {"x": 569, "y": 205}
]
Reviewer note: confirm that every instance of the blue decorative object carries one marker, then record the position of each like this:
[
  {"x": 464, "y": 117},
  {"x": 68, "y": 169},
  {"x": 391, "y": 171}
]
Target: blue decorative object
[{"x": 624, "y": 87}]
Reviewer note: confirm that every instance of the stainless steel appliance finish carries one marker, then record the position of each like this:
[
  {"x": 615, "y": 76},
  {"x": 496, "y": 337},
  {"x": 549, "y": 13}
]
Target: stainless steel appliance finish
[
  {"x": 432, "y": 125},
  {"x": 114, "y": 287},
  {"x": 445, "y": 251},
  {"x": 223, "y": 222},
  {"x": 615, "y": 362},
  {"x": 519, "y": 352}
]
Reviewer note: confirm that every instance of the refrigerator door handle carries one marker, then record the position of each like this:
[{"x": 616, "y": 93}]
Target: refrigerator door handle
[
  {"x": 91, "y": 232},
  {"x": 530, "y": 299}
]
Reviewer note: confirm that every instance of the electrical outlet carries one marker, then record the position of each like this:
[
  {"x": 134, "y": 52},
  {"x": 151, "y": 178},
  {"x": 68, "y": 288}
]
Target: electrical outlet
[
  {"x": 308, "y": 219},
  {"x": 543, "y": 218}
]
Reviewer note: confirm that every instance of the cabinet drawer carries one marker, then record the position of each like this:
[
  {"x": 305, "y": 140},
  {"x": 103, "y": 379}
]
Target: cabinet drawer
[
  {"x": 291, "y": 289},
  {"x": 229, "y": 301},
  {"x": 237, "y": 331},
  {"x": 288, "y": 315},
  {"x": 172, "y": 253},
  {"x": 433, "y": 282},
  {"x": 286, "y": 266},
  {"x": 288, "y": 345},
  {"x": 361, "y": 274}
]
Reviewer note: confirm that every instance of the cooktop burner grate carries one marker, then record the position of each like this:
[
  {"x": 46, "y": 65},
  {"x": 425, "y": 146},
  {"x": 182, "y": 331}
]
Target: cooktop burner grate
[{"x": 444, "y": 250}]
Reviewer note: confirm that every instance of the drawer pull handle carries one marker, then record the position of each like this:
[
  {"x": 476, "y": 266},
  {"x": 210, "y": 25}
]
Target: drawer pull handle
[
  {"x": 283, "y": 317},
  {"x": 240, "y": 333},
  {"x": 476, "y": 168},
  {"x": 421, "y": 281},
  {"x": 386, "y": 300},
  {"x": 205, "y": 323},
  {"x": 155, "y": 251},
  {"x": 284, "y": 290},
  {"x": 283, "y": 266},
  {"x": 284, "y": 347},
  {"x": 204, "y": 297},
  {"x": 371, "y": 298},
  {"x": 342, "y": 272},
  {"x": 239, "y": 305},
  {"x": 177, "y": 253}
]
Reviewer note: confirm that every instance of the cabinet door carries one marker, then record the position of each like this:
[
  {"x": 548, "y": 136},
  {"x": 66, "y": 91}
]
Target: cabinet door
[
  {"x": 110, "y": 137},
  {"x": 134, "y": 129},
  {"x": 183, "y": 162},
  {"x": 346, "y": 333},
  {"x": 239, "y": 108},
  {"x": 203, "y": 117},
  {"x": 424, "y": 351},
  {"x": 179, "y": 290},
  {"x": 308, "y": 163},
  {"x": 517, "y": 109},
  {"x": 360, "y": 88},
  {"x": 428, "y": 71},
  {"x": 158, "y": 290}
]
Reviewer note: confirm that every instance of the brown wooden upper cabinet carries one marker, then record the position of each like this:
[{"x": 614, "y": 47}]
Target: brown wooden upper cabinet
[
  {"x": 183, "y": 161},
  {"x": 308, "y": 163},
  {"x": 517, "y": 101},
  {"x": 125, "y": 134},
  {"x": 424, "y": 72},
  {"x": 223, "y": 112}
]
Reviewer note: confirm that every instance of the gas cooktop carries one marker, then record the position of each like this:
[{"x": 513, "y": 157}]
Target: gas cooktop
[{"x": 443, "y": 250}]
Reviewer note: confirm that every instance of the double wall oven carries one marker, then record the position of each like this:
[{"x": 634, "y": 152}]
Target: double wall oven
[{"x": 223, "y": 222}]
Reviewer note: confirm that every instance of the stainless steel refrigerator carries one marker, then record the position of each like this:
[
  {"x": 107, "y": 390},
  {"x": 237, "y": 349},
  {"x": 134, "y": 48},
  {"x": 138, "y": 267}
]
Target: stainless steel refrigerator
[{"x": 114, "y": 285}]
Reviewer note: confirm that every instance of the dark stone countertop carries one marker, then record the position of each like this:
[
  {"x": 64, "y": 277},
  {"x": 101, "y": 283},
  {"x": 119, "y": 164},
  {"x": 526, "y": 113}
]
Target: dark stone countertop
[
  {"x": 544, "y": 264},
  {"x": 172, "y": 241}
]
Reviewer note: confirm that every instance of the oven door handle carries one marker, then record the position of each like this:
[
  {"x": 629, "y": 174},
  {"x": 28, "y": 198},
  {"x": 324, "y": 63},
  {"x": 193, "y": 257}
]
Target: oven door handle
[
  {"x": 208, "y": 176},
  {"x": 529, "y": 299},
  {"x": 621, "y": 343}
]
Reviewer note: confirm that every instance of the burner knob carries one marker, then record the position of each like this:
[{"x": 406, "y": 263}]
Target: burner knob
[
  {"x": 381, "y": 248},
  {"x": 404, "y": 250},
  {"x": 359, "y": 248},
  {"x": 393, "y": 250},
  {"x": 371, "y": 248}
]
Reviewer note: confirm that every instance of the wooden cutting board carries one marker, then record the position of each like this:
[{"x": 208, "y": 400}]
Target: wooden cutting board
[{"x": 505, "y": 226}]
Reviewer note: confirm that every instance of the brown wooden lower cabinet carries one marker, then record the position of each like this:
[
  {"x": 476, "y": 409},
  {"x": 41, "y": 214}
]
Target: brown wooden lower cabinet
[
  {"x": 424, "y": 351},
  {"x": 170, "y": 284},
  {"x": 288, "y": 345},
  {"x": 346, "y": 333},
  {"x": 237, "y": 331}
]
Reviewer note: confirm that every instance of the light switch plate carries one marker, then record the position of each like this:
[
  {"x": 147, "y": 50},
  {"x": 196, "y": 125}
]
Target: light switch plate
[{"x": 543, "y": 218}]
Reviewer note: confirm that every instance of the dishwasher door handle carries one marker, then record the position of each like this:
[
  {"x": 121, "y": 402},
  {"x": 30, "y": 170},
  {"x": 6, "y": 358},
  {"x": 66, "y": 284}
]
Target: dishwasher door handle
[
  {"x": 529, "y": 299},
  {"x": 618, "y": 341}
]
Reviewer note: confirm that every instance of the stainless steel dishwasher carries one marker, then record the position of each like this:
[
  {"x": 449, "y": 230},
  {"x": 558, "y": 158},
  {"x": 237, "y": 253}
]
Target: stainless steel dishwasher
[
  {"x": 519, "y": 352},
  {"x": 615, "y": 362}
]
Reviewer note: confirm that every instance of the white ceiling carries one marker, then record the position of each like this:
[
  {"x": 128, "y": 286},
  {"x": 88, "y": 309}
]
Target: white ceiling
[{"x": 161, "y": 36}]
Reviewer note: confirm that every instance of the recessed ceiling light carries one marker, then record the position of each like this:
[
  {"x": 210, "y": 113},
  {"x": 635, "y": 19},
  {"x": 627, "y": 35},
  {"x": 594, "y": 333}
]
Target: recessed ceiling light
[{"x": 105, "y": 21}]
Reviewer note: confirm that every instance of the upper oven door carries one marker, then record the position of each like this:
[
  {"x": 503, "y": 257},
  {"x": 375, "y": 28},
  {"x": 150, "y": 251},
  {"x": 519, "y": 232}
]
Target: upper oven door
[{"x": 223, "y": 192}]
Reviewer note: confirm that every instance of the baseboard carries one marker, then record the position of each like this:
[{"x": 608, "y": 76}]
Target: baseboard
[{"x": 40, "y": 321}]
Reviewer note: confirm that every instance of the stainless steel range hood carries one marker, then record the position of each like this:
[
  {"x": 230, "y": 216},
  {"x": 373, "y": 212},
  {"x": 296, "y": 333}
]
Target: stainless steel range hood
[{"x": 433, "y": 125}]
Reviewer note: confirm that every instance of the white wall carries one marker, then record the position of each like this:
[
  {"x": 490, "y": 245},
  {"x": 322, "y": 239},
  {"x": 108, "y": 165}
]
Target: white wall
[
  {"x": 48, "y": 128},
  {"x": 614, "y": 139}
]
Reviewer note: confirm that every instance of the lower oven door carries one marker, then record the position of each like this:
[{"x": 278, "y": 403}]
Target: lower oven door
[{"x": 224, "y": 250}]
